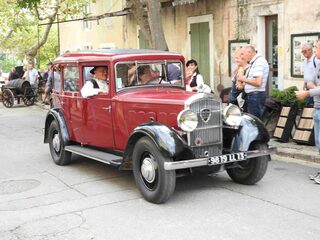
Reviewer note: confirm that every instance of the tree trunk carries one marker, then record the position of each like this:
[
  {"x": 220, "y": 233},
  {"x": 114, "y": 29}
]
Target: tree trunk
[
  {"x": 141, "y": 17},
  {"x": 150, "y": 22},
  {"x": 32, "y": 51},
  {"x": 155, "y": 23}
]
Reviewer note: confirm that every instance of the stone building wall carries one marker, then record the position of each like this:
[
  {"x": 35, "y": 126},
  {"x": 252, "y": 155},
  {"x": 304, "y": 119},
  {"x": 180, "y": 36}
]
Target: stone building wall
[{"x": 230, "y": 19}]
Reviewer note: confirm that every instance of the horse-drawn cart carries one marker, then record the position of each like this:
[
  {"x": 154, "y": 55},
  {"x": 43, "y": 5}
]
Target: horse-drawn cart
[{"x": 18, "y": 89}]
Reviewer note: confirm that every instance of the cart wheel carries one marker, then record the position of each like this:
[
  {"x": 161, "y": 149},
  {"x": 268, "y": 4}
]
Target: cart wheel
[
  {"x": 29, "y": 97},
  {"x": 7, "y": 98}
]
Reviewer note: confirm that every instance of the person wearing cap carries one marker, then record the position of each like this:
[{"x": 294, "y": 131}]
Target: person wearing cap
[{"x": 98, "y": 84}]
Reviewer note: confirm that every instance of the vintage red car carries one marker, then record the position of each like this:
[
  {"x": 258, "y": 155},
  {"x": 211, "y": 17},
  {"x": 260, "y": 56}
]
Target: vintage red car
[{"x": 157, "y": 129}]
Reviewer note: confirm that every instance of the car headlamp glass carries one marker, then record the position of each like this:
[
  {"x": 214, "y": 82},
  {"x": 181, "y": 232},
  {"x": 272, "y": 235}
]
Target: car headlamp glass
[
  {"x": 232, "y": 115},
  {"x": 187, "y": 120}
]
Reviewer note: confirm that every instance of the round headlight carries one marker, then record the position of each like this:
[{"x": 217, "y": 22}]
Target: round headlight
[
  {"x": 187, "y": 120},
  {"x": 232, "y": 115}
]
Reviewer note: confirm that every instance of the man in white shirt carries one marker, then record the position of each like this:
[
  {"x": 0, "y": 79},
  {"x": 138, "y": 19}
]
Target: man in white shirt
[
  {"x": 255, "y": 81},
  {"x": 98, "y": 83},
  {"x": 309, "y": 65},
  {"x": 31, "y": 75},
  {"x": 314, "y": 91}
]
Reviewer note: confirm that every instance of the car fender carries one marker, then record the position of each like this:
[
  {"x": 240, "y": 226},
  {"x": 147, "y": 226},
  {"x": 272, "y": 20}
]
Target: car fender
[
  {"x": 168, "y": 141},
  {"x": 251, "y": 130},
  {"x": 55, "y": 114}
]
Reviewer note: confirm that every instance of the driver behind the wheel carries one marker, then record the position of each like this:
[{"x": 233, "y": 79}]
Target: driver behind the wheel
[{"x": 98, "y": 84}]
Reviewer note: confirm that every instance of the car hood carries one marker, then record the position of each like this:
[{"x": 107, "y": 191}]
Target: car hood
[{"x": 171, "y": 96}]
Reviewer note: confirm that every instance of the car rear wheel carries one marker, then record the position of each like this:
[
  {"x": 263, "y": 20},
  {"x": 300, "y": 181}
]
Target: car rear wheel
[
  {"x": 154, "y": 182},
  {"x": 252, "y": 170},
  {"x": 59, "y": 155}
]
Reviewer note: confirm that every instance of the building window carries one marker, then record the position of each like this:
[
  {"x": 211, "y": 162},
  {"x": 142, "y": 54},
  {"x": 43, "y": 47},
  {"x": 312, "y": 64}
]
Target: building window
[{"x": 86, "y": 12}]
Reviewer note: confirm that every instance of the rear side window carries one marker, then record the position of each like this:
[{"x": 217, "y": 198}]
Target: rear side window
[
  {"x": 56, "y": 77},
  {"x": 71, "y": 79}
]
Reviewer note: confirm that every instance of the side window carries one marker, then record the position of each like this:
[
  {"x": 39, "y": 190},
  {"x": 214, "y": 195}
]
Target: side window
[
  {"x": 124, "y": 75},
  {"x": 99, "y": 72},
  {"x": 56, "y": 77},
  {"x": 71, "y": 79}
]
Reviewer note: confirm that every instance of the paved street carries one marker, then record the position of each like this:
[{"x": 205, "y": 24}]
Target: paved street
[{"x": 89, "y": 200}]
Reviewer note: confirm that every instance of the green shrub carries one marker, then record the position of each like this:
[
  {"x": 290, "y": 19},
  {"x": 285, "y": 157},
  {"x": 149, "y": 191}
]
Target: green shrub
[{"x": 287, "y": 96}]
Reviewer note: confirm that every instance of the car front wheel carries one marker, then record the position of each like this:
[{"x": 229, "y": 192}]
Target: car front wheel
[
  {"x": 252, "y": 170},
  {"x": 59, "y": 155},
  {"x": 154, "y": 182}
]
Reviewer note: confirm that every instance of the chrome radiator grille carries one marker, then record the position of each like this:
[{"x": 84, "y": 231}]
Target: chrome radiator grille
[{"x": 206, "y": 139}]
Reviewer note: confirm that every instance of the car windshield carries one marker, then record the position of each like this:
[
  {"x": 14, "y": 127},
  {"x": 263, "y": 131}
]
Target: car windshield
[{"x": 129, "y": 74}]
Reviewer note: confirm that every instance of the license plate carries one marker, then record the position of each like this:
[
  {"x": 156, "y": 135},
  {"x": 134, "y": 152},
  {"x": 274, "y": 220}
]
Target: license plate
[{"x": 228, "y": 158}]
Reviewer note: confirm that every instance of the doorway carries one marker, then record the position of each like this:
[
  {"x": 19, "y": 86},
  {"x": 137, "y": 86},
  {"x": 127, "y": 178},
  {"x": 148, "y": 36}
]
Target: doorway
[
  {"x": 200, "y": 45},
  {"x": 200, "y": 48},
  {"x": 271, "y": 28}
]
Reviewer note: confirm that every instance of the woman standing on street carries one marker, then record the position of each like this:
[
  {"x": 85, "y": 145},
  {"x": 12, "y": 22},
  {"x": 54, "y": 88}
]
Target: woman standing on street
[{"x": 194, "y": 79}]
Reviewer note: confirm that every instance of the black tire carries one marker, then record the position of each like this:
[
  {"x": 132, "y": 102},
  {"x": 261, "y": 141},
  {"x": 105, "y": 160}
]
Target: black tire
[
  {"x": 252, "y": 170},
  {"x": 159, "y": 184},
  {"x": 7, "y": 98},
  {"x": 59, "y": 155}
]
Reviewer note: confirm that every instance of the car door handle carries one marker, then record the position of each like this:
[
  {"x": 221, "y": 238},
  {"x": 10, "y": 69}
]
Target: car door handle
[{"x": 107, "y": 108}]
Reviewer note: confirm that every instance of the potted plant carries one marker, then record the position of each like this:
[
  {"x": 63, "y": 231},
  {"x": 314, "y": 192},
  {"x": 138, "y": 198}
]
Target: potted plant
[{"x": 289, "y": 110}]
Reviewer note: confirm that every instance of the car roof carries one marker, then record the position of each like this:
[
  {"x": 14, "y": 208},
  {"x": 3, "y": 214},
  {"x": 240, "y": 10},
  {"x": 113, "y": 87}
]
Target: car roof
[{"x": 117, "y": 55}]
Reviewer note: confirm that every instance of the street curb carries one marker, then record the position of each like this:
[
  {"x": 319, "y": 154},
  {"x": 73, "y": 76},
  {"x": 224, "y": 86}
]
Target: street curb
[
  {"x": 296, "y": 151},
  {"x": 287, "y": 152}
]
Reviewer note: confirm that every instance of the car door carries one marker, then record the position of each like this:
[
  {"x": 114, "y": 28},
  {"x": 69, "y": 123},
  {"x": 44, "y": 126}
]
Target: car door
[
  {"x": 64, "y": 98},
  {"x": 73, "y": 102},
  {"x": 97, "y": 115}
]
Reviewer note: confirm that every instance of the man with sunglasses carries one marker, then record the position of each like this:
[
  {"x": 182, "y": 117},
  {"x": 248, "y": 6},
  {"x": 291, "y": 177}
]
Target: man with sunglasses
[{"x": 314, "y": 91}]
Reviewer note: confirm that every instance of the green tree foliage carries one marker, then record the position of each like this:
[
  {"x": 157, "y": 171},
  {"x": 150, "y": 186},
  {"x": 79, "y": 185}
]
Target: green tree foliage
[
  {"x": 7, "y": 62},
  {"x": 19, "y": 21}
]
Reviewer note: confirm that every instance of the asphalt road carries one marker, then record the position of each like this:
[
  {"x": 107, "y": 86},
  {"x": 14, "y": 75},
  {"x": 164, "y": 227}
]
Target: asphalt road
[{"x": 89, "y": 200}]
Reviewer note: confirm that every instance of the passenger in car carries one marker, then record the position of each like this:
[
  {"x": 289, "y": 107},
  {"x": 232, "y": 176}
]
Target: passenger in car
[
  {"x": 174, "y": 72},
  {"x": 98, "y": 84},
  {"x": 144, "y": 76}
]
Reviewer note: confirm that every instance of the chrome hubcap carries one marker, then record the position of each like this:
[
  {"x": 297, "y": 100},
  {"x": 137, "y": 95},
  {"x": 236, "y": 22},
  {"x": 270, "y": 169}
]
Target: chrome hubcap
[
  {"x": 148, "y": 169},
  {"x": 56, "y": 142}
]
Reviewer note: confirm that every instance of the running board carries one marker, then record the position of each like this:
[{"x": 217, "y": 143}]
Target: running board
[{"x": 97, "y": 155}]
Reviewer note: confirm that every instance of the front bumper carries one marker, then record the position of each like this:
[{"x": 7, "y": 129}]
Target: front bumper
[{"x": 204, "y": 161}]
